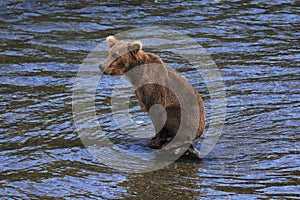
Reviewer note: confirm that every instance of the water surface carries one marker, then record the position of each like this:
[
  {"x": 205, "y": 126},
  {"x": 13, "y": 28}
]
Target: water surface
[{"x": 255, "y": 45}]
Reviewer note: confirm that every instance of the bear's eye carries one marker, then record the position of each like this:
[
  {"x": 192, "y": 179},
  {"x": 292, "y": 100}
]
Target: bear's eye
[{"x": 115, "y": 56}]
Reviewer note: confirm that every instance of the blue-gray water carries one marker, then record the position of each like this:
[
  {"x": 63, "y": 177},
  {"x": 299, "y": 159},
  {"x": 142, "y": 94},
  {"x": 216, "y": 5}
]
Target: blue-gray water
[{"x": 255, "y": 45}]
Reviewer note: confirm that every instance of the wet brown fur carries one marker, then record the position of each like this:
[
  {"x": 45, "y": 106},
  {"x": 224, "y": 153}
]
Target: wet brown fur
[{"x": 123, "y": 56}]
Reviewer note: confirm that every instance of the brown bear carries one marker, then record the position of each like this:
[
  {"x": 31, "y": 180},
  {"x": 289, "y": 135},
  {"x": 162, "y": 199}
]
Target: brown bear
[{"x": 172, "y": 102}]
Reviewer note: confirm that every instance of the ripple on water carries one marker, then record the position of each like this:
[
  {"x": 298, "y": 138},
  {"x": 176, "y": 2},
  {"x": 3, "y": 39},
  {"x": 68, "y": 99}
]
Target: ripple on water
[{"x": 255, "y": 46}]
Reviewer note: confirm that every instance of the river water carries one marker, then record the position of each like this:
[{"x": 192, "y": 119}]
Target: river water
[{"x": 255, "y": 45}]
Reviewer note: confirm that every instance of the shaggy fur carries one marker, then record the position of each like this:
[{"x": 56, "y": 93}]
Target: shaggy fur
[{"x": 169, "y": 116}]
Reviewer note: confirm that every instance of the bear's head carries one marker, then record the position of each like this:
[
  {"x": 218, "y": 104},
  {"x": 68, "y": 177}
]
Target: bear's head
[{"x": 122, "y": 56}]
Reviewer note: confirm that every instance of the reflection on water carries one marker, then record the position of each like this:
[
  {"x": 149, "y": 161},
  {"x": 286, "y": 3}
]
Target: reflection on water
[{"x": 254, "y": 44}]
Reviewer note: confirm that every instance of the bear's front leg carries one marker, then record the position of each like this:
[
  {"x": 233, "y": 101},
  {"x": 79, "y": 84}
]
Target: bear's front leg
[
  {"x": 166, "y": 122},
  {"x": 159, "y": 140},
  {"x": 156, "y": 143},
  {"x": 158, "y": 116}
]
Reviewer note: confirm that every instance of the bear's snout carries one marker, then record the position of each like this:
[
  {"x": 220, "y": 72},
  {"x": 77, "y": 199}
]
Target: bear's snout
[
  {"x": 109, "y": 71},
  {"x": 102, "y": 69}
]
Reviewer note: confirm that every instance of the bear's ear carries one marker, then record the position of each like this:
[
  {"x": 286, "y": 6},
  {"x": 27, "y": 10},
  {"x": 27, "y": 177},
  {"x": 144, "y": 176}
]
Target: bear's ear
[
  {"x": 111, "y": 41},
  {"x": 135, "y": 46}
]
